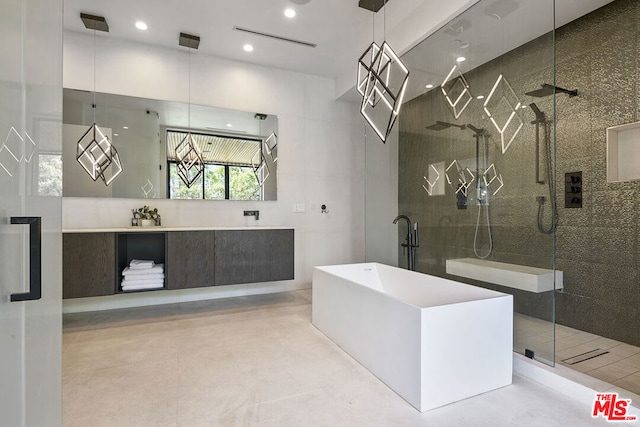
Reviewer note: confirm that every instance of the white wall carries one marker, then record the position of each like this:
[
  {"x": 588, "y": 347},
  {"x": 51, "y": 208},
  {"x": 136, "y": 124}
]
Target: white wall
[
  {"x": 320, "y": 157},
  {"x": 381, "y": 199}
]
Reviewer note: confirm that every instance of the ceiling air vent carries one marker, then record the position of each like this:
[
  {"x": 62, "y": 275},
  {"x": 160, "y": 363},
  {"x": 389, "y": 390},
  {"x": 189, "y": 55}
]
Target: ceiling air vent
[{"x": 273, "y": 36}]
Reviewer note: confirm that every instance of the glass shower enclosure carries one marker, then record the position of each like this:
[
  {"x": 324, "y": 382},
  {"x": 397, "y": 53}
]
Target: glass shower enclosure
[{"x": 475, "y": 162}]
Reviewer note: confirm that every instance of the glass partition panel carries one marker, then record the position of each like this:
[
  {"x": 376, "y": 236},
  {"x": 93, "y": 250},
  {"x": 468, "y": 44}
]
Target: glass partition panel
[{"x": 476, "y": 159}]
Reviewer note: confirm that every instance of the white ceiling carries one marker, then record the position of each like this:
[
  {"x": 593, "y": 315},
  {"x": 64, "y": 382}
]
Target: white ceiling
[{"x": 340, "y": 28}]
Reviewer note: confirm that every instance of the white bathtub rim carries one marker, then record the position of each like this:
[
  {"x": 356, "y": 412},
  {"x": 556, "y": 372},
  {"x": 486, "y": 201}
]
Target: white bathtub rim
[{"x": 491, "y": 294}]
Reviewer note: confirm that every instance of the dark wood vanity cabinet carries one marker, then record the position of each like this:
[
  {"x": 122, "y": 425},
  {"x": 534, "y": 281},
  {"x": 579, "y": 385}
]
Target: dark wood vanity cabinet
[
  {"x": 191, "y": 259},
  {"x": 93, "y": 262},
  {"x": 89, "y": 261},
  {"x": 248, "y": 256}
]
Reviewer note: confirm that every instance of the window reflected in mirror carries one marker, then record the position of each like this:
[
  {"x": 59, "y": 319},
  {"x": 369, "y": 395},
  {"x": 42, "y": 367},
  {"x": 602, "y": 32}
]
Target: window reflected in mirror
[{"x": 146, "y": 133}]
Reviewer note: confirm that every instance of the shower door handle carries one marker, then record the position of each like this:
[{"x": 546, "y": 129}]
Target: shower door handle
[{"x": 35, "y": 257}]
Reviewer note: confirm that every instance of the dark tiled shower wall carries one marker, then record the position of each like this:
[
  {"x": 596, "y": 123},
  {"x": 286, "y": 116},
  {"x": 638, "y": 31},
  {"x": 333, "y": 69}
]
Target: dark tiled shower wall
[{"x": 597, "y": 246}]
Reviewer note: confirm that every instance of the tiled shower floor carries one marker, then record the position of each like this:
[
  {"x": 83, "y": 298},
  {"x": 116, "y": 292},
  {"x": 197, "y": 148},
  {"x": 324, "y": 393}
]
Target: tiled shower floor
[{"x": 605, "y": 359}]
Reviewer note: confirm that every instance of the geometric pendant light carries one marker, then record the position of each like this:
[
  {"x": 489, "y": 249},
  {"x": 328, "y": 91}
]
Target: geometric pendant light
[
  {"x": 258, "y": 161},
  {"x": 95, "y": 151},
  {"x": 381, "y": 81},
  {"x": 502, "y": 106},
  {"x": 455, "y": 90},
  {"x": 382, "y": 87},
  {"x": 260, "y": 167},
  {"x": 190, "y": 163},
  {"x": 271, "y": 143},
  {"x": 97, "y": 155}
]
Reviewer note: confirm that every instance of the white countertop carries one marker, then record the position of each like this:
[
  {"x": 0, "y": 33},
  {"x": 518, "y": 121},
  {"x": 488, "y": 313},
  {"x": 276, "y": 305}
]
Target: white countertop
[{"x": 131, "y": 229}]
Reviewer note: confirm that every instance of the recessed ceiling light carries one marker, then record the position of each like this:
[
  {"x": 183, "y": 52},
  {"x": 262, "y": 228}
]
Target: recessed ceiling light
[
  {"x": 141, "y": 25},
  {"x": 461, "y": 59},
  {"x": 125, "y": 127},
  {"x": 289, "y": 13},
  {"x": 429, "y": 86},
  {"x": 480, "y": 97},
  {"x": 115, "y": 134},
  {"x": 229, "y": 125},
  {"x": 247, "y": 48}
]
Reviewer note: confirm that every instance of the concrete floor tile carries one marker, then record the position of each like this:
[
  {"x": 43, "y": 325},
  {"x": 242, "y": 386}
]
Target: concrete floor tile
[{"x": 258, "y": 361}]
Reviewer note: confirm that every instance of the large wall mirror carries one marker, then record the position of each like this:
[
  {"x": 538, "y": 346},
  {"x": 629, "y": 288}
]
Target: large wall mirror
[{"x": 239, "y": 148}]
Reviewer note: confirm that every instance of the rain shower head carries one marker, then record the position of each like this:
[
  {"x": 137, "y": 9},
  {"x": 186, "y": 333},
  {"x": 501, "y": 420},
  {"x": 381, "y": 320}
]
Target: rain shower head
[
  {"x": 438, "y": 125},
  {"x": 547, "y": 89}
]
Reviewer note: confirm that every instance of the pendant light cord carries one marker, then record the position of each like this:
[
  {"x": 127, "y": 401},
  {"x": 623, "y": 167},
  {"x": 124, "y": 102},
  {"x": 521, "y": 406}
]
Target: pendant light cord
[
  {"x": 373, "y": 28},
  {"x": 189, "y": 94},
  {"x": 94, "y": 76},
  {"x": 384, "y": 22}
]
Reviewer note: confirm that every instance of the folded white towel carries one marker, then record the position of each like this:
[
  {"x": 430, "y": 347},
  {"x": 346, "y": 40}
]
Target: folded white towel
[
  {"x": 141, "y": 263},
  {"x": 141, "y": 282},
  {"x": 156, "y": 269},
  {"x": 138, "y": 287},
  {"x": 151, "y": 276}
]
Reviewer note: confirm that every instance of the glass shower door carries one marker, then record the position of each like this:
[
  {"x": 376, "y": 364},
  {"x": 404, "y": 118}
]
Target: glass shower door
[
  {"x": 30, "y": 212},
  {"x": 473, "y": 162}
]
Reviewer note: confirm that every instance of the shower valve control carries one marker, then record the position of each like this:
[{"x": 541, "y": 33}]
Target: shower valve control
[{"x": 573, "y": 190}]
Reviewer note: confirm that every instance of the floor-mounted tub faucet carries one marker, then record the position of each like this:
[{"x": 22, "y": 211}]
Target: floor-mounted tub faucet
[{"x": 411, "y": 243}]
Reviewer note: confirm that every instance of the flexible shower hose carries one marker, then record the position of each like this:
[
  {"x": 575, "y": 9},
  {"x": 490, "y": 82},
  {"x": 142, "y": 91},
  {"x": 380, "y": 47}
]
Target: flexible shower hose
[
  {"x": 540, "y": 218},
  {"x": 552, "y": 200},
  {"x": 475, "y": 237}
]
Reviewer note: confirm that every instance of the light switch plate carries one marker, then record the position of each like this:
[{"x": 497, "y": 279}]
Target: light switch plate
[{"x": 298, "y": 208}]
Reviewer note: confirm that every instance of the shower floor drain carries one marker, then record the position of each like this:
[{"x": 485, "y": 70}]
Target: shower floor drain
[{"x": 584, "y": 356}]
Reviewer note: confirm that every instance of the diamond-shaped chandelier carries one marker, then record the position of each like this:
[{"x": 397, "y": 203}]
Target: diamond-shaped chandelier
[
  {"x": 95, "y": 151},
  {"x": 260, "y": 167},
  {"x": 14, "y": 150},
  {"x": 462, "y": 178},
  {"x": 190, "y": 163},
  {"x": 382, "y": 81},
  {"x": 501, "y": 107},
  {"x": 271, "y": 145},
  {"x": 148, "y": 191},
  {"x": 456, "y": 91},
  {"x": 490, "y": 175},
  {"x": 97, "y": 155},
  {"x": 429, "y": 187}
]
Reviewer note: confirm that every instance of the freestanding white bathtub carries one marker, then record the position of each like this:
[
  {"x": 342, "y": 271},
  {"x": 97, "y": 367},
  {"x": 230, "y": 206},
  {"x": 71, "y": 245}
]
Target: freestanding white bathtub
[{"x": 431, "y": 340}]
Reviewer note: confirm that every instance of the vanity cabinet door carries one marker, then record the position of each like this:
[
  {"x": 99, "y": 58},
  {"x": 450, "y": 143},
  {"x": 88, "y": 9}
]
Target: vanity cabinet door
[
  {"x": 190, "y": 260},
  {"x": 88, "y": 264},
  {"x": 250, "y": 256}
]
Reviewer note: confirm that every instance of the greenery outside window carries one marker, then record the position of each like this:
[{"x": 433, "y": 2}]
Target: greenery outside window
[{"x": 227, "y": 174}]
